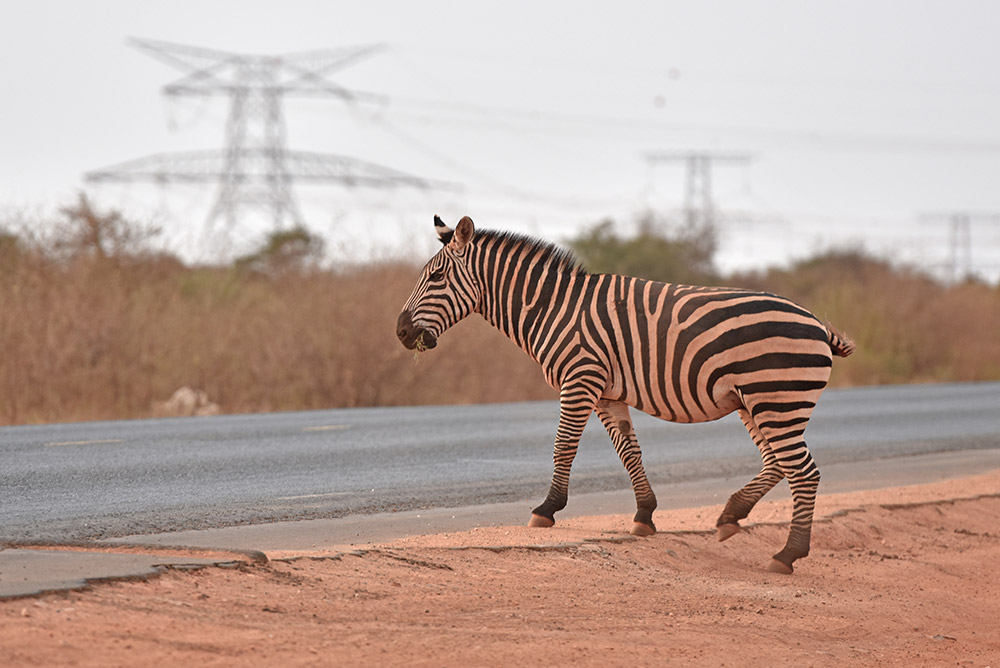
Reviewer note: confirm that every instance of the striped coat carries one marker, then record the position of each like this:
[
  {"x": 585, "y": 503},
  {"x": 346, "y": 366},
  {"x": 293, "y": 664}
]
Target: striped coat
[{"x": 609, "y": 342}]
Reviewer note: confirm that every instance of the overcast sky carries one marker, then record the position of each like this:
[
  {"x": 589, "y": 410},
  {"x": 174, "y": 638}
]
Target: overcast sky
[{"x": 860, "y": 116}]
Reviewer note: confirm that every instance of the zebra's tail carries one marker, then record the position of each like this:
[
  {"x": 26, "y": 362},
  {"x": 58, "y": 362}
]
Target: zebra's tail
[{"x": 839, "y": 344}]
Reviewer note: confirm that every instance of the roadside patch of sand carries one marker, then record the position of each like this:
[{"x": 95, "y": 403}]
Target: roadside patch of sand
[{"x": 903, "y": 576}]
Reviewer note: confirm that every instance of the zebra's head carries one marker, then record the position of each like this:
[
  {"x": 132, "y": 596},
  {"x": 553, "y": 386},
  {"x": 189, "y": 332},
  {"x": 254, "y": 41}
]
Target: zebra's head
[{"x": 446, "y": 290}]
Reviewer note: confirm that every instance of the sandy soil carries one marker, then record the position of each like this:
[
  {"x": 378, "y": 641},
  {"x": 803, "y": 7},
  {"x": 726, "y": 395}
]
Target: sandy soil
[{"x": 900, "y": 577}]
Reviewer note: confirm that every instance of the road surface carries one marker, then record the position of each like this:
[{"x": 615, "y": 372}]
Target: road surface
[{"x": 84, "y": 481}]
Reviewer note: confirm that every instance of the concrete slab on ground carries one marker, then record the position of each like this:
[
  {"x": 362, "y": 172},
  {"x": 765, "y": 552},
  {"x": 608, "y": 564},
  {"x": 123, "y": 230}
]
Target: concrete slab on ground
[{"x": 25, "y": 571}]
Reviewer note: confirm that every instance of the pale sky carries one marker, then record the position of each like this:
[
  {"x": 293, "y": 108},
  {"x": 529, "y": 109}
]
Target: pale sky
[{"x": 860, "y": 116}]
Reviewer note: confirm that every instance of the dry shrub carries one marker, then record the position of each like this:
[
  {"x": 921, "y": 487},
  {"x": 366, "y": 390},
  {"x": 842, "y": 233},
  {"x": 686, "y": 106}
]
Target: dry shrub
[{"x": 92, "y": 335}]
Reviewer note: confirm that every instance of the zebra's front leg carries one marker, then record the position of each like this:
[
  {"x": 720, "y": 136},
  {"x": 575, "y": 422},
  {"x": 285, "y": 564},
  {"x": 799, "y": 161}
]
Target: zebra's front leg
[
  {"x": 576, "y": 402},
  {"x": 615, "y": 417}
]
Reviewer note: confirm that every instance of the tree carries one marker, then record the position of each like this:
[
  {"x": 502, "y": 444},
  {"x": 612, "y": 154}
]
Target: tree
[
  {"x": 658, "y": 251},
  {"x": 289, "y": 251},
  {"x": 85, "y": 232}
]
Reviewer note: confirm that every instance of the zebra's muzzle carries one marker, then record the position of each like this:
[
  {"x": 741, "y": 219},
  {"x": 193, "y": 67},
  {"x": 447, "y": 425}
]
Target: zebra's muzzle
[{"x": 413, "y": 336}]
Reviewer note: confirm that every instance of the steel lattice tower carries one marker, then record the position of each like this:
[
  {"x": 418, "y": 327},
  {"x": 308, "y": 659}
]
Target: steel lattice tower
[
  {"x": 699, "y": 204},
  {"x": 255, "y": 170},
  {"x": 960, "y": 265}
]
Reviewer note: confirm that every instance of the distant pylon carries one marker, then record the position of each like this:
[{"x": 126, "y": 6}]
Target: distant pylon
[
  {"x": 960, "y": 265},
  {"x": 699, "y": 205},
  {"x": 255, "y": 169}
]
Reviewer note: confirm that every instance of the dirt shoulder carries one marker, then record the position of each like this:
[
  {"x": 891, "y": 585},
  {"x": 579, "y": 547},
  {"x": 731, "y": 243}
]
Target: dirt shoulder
[{"x": 901, "y": 576}]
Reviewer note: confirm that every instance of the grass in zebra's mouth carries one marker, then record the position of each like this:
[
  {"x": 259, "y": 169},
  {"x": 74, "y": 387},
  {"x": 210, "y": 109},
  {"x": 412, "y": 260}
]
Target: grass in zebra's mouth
[{"x": 419, "y": 347}]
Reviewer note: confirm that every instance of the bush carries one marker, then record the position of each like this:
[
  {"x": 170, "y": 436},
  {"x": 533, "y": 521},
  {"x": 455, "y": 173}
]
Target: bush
[
  {"x": 659, "y": 251},
  {"x": 97, "y": 328}
]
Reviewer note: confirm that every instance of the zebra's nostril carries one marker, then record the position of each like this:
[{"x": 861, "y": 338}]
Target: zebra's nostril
[{"x": 403, "y": 324}]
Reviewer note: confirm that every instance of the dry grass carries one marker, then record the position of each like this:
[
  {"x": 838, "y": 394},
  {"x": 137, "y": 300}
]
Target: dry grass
[
  {"x": 99, "y": 330},
  {"x": 96, "y": 339}
]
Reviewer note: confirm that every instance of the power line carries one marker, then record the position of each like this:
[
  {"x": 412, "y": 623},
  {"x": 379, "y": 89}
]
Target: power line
[{"x": 514, "y": 119}]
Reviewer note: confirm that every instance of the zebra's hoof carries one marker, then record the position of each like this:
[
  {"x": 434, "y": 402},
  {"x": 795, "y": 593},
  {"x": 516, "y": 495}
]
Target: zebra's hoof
[
  {"x": 642, "y": 529},
  {"x": 779, "y": 567},
  {"x": 540, "y": 521},
  {"x": 726, "y": 531}
]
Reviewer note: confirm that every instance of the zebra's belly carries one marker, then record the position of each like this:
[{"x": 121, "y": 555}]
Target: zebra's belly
[{"x": 714, "y": 410}]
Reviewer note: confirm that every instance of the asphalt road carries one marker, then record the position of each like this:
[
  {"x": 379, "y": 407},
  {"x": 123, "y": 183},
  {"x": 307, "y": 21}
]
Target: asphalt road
[{"x": 98, "y": 480}]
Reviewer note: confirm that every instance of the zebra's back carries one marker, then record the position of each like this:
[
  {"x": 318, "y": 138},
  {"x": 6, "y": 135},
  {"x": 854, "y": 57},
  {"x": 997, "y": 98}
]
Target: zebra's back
[{"x": 692, "y": 354}]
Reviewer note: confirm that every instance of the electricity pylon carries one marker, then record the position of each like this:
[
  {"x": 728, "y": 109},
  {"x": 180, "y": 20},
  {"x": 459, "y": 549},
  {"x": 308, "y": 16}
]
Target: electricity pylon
[
  {"x": 699, "y": 205},
  {"x": 960, "y": 265},
  {"x": 255, "y": 169}
]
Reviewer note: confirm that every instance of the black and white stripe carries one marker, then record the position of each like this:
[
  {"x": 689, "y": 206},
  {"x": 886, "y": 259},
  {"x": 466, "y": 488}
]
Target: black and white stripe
[{"x": 607, "y": 342}]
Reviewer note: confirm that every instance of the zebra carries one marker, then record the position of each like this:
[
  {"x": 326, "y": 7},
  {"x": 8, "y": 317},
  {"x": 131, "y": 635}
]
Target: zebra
[{"x": 608, "y": 342}]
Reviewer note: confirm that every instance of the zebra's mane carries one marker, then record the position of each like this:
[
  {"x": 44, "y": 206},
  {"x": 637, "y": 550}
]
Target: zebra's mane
[{"x": 561, "y": 258}]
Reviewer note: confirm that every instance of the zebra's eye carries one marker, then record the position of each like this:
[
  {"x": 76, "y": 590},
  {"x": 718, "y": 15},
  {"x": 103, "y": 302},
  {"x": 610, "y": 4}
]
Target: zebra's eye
[{"x": 437, "y": 275}]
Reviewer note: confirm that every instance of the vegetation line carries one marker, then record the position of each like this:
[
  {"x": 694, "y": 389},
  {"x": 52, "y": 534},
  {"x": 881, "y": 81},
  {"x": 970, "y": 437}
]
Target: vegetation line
[{"x": 96, "y": 325}]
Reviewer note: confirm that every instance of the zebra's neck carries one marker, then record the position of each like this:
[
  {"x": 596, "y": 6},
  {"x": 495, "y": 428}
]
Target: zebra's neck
[{"x": 528, "y": 288}]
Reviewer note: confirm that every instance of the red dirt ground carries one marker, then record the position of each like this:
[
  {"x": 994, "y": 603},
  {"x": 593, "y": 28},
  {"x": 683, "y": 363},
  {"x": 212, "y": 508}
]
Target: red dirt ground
[{"x": 898, "y": 577}]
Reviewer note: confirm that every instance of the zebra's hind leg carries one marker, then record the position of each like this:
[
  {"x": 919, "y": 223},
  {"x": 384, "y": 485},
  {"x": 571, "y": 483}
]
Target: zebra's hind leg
[
  {"x": 615, "y": 417},
  {"x": 803, "y": 478},
  {"x": 742, "y": 501},
  {"x": 782, "y": 426}
]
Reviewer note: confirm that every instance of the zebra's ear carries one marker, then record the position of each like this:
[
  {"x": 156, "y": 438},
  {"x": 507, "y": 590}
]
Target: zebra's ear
[
  {"x": 444, "y": 232},
  {"x": 464, "y": 232}
]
